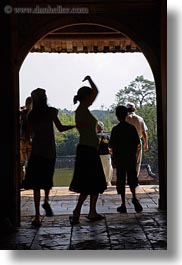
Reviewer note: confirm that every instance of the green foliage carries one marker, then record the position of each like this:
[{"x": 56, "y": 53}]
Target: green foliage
[
  {"x": 107, "y": 117},
  {"x": 66, "y": 141},
  {"x": 67, "y": 145},
  {"x": 141, "y": 92}
]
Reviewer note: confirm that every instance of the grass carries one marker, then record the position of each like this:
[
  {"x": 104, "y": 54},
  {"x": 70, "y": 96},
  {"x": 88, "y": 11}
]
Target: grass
[{"x": 62, "y": 177}]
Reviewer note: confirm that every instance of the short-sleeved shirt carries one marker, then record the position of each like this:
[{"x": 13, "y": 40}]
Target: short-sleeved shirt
[
  {"x": 43, "y": 141},
  {"x": 124, "y": 140},
  {"x": 103, "y": 143},
  {"x": 138, "y": 122},
  {"x": 86, "y": 124}
]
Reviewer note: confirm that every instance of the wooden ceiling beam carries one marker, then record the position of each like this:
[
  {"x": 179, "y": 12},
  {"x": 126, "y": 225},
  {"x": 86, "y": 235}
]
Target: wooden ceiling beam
[{"x": 71, "y": 37}]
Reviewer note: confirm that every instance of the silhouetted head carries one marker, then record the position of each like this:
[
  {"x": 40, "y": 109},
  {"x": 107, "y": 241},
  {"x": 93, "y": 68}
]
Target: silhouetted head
[
  {"x": 82, "y": 94},
  {"x": 100, "y": 126},
  {"x": 121, "y": 112},
  {"x": 39, "y": 98},
  {"x": 28, "y": 102},
  {"x": 131, "y": 107}
]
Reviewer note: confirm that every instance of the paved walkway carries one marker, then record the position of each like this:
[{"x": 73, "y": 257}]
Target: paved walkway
[{"x": 131, "y": 231}]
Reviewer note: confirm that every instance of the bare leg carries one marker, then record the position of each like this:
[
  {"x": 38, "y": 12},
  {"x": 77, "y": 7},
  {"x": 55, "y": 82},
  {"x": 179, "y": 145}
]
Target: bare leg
[
  {"x": 123, "y": 195},
  {"x": 93, "y": 201},
  {"x": 133, "y": 192},
  {"x": 122, "y": 208},
  {"x": 138, "y": 206},
  {"x": 93, "y": 215},
  {"x": 37, "y": 204},
  {"x": 76, "y": 213},
  {"x": 46, "y": 204},
  {"x": 120, "y": 183},
  {"x": 81, "y": 199},
  {"x": 46, "y": 199}
]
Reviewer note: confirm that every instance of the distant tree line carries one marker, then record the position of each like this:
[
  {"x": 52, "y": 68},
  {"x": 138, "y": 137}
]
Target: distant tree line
[{"x": 142, "y": 92}]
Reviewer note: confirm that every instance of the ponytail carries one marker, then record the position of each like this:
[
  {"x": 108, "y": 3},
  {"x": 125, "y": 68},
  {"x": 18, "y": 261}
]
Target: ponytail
[{"x": 82, "y": 93}]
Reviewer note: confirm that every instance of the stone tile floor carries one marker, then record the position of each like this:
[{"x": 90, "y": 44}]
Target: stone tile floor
[{"x": 131, "y": 231}]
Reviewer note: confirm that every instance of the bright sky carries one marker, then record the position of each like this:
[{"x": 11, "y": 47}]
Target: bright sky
[{"x": 62, "y": 74}]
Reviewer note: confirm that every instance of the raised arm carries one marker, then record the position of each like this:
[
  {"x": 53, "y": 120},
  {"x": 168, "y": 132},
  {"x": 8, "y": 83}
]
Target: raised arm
[
  {"x": 60, "y": 126},
  {"x": 94, "y": 88}
]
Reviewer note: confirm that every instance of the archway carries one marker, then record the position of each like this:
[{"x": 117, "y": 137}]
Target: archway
[
  {"x": 39, "y": 46},
  {"x": 21, "y": 32}
]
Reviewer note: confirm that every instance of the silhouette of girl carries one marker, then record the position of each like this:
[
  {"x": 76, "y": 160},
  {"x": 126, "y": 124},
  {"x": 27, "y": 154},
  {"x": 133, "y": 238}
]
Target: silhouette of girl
[
  {"x": 40, "y": 168},
  {"x": 88, "y": 178}
]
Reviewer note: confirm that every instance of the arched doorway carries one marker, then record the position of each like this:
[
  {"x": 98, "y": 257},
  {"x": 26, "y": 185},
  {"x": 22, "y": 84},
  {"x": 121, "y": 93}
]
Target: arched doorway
[
  {"x": 85, "y": 38},
  {"x": 30, "y": 30}
]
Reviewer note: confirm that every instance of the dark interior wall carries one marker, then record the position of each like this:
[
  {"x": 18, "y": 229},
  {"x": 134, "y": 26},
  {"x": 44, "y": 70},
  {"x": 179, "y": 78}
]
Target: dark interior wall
[
  {"x": 162, "y": 107},
  {"x": 9, "y": 195},
  {"x": 141, "y": 22}
]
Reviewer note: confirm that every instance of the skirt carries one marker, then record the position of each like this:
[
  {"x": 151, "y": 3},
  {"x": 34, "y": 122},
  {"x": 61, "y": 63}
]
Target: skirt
[
  {"x": 88, "y": 177},
  {"x": 39, "y": 173}
]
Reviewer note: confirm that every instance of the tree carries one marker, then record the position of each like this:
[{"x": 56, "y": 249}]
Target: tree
[
  {"x": 66, "y": 141},
  {"x": 67, "y": 146},
  {"x": 140, "y": 91}
]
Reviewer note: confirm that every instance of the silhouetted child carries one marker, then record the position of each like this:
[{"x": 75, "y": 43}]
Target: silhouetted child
[
  {"x": 123, "y": 142},
  {"x": 142, "y": 129}
]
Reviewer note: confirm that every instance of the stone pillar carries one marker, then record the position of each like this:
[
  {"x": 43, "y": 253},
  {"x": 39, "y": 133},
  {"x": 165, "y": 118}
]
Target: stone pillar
[
  {"x": 163, "y": 108},
  {"x": 9, "y": 195}
]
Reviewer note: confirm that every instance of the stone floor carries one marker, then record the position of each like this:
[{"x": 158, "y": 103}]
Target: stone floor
[{"x": 131, "y": 231}]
